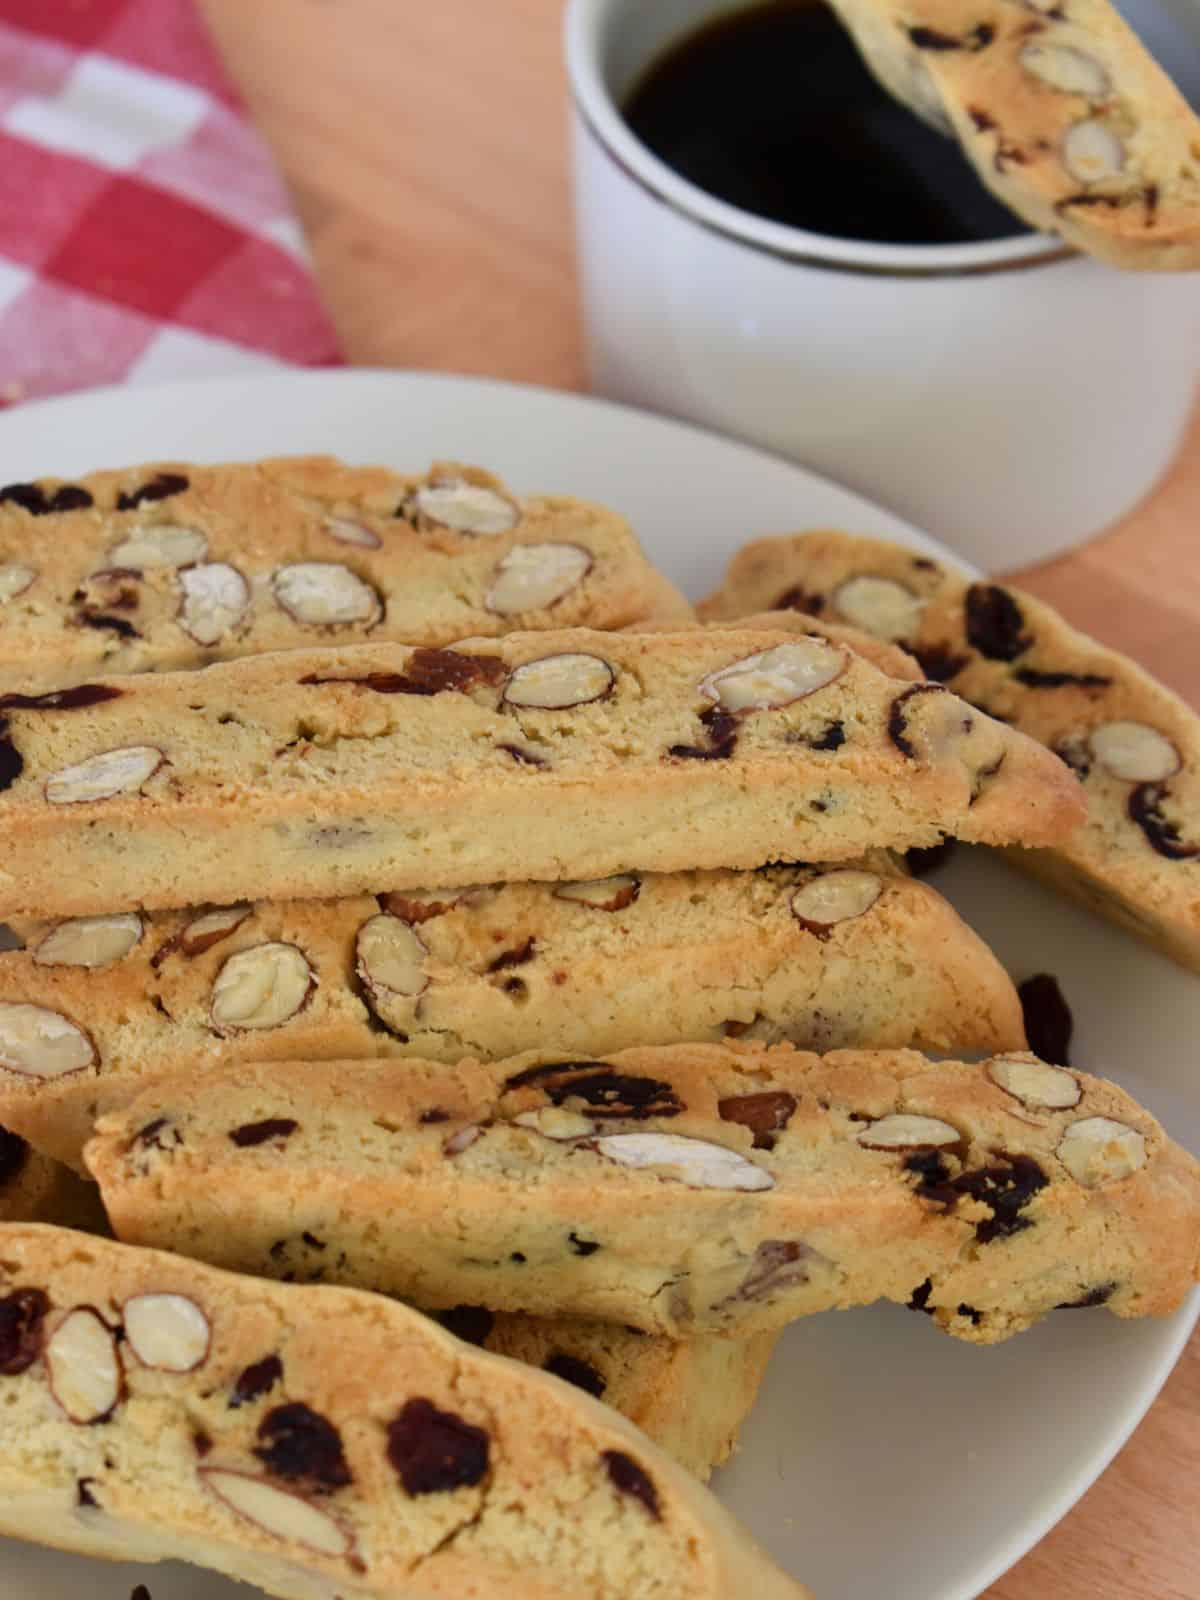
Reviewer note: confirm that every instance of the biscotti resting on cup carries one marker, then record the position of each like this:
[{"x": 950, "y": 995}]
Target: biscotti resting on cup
[
  {"x": 167, "y": 567},
  {"x": 558, "y": 756},
  {"x": 682, "y": 1190},
  {"x": 1133, "y": 744},
  {"x": 318, "y": 1442},
  {"x": 1064, "y": 113},
  {"x": 690, "y": 1395},
  {"x": 855, "y": 955}
]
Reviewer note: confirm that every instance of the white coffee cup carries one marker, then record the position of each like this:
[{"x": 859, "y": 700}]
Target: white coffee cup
[{"x": 1012, "y": 397}]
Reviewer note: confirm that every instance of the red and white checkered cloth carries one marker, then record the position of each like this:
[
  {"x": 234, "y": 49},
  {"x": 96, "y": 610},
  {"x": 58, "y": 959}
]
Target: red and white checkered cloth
[{"x": 144, "y": 231}]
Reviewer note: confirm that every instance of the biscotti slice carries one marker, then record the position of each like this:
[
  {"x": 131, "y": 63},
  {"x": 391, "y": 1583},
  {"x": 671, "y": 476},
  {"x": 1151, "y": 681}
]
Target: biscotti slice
[
  {"x": 690, "y": 1395},
  {"x": 858, "y": 955},
  {"x": 889, "y": 658},
  {"x": 321, "y": 1442},
  {"x": 172, "y": 566},
  {"x": 35, "y": 1188},
  {"x": 1134, "y": 745},
  {"x": 682, "y": 1190},
  {"x": 573, "y": 755},
  {"x": 1065, "y": 115}
]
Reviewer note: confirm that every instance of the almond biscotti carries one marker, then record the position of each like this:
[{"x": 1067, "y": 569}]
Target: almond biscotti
[
  {"x": 320, "y": 1442},
  {"x": 1065, "y": 115},
  {"x": 172, "y": 566},
  {"x": 1133, "y": 744},
  {"x": 684, "y": 1190},
  {"x": 690, "y": 1395},
  {"x": 858, "y": 955},
  {"x": 573, "y": 755}
]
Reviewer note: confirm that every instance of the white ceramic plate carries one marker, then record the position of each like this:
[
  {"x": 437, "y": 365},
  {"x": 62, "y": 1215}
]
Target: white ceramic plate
[{"x": 884, "y": 1461}]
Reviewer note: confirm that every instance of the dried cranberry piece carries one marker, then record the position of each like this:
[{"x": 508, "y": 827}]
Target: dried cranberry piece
[
  {"x": 140, "y": 1592},
  {"x": 1145, "y": 808},
  {"x": 1094, "y": 1297},
  {"x": 765, "y": 1114},
  {"x": 160, "y": 487},
  {"x": 84, "y": 1498},
  {"x": 513, "y": 958},
  {"x": 796, "y": 599},
  {"x": 965, "y": 1310},
  {"x": 12, "y": 762},
  {"x": 582, "y": 1247},
  {"x": 300, "y": 1445},
  {"x": 938, "y": 661},
  {"x": 30, "y": 497},
  {"x": 1033, "y": 679},
  {"x": 631, "y": 1479},
  {"x": 70, "y": 497},
  {"x": 581, "y": 1373},
  {"x": 434, "y": 1114},
  {"x": 22, "y": 1315},
  {"x": 1048, "y": 1020},
  {"x": 252, "y": 1133},
  {"x": 722, "y": 730},
  {"x": 84, "y": 694},
  {"x": 928, "y": 1166},
  {"x": 1006, "y": 1189},
  {"x": 833, "y": 737},
  {"x": 14, "y": 1153},
  {"x": 897, "y": 725},
  {"x": 550, "y": 1069},
  {"x": 102, "y": 620},
  {"x": 202, "y": 1443},
  {"x": 255, "y": 1381},
  {"x": 619, "y": 1094},
  {"x": 994, "y": 623},
  {"x": 435, "y": 1451},
  {"x": 919, "y": 1299},
  {"x": 429, "y": 671},
  {"x": 472, "y": 1324},
  {"x": 979, "y": 38},
  {"x": 161, "y": 1134}
]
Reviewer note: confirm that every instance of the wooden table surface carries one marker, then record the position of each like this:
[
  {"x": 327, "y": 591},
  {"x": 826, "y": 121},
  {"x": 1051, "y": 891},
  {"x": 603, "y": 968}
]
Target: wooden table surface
[{"x": 426, "y": 147}]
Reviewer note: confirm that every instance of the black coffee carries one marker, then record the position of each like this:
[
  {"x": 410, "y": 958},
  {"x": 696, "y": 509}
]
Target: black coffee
[{"x": 772, "y": 110}]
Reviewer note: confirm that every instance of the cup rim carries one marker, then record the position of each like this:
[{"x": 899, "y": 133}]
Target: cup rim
[{"x": 599, "y": 112}]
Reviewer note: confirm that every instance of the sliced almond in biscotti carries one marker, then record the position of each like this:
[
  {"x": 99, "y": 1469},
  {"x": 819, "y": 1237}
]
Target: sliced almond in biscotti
[
  {"x": 1064, "y": 113},
  {"x": 169, "y": 568},
  {"x": 1131, "y": 742},
  {"x": 683, "y": 1190},
  {"x": 320, "y": 1441},
  {"x": 889, "y": 658},
  {"x": 823, "y": 957},
  {"x": 382, "y": 767}
]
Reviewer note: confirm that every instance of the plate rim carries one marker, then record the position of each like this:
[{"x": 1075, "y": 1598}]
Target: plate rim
[{"x": 31, "y": 416}]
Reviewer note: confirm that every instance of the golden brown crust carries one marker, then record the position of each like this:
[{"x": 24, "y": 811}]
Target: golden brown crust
[
  {"x": 775, "y": 1184},
  {"x": 96, "y": 590},
  {"x": 386, "y": 1458},
  {"x": 416, "y": 786}
]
